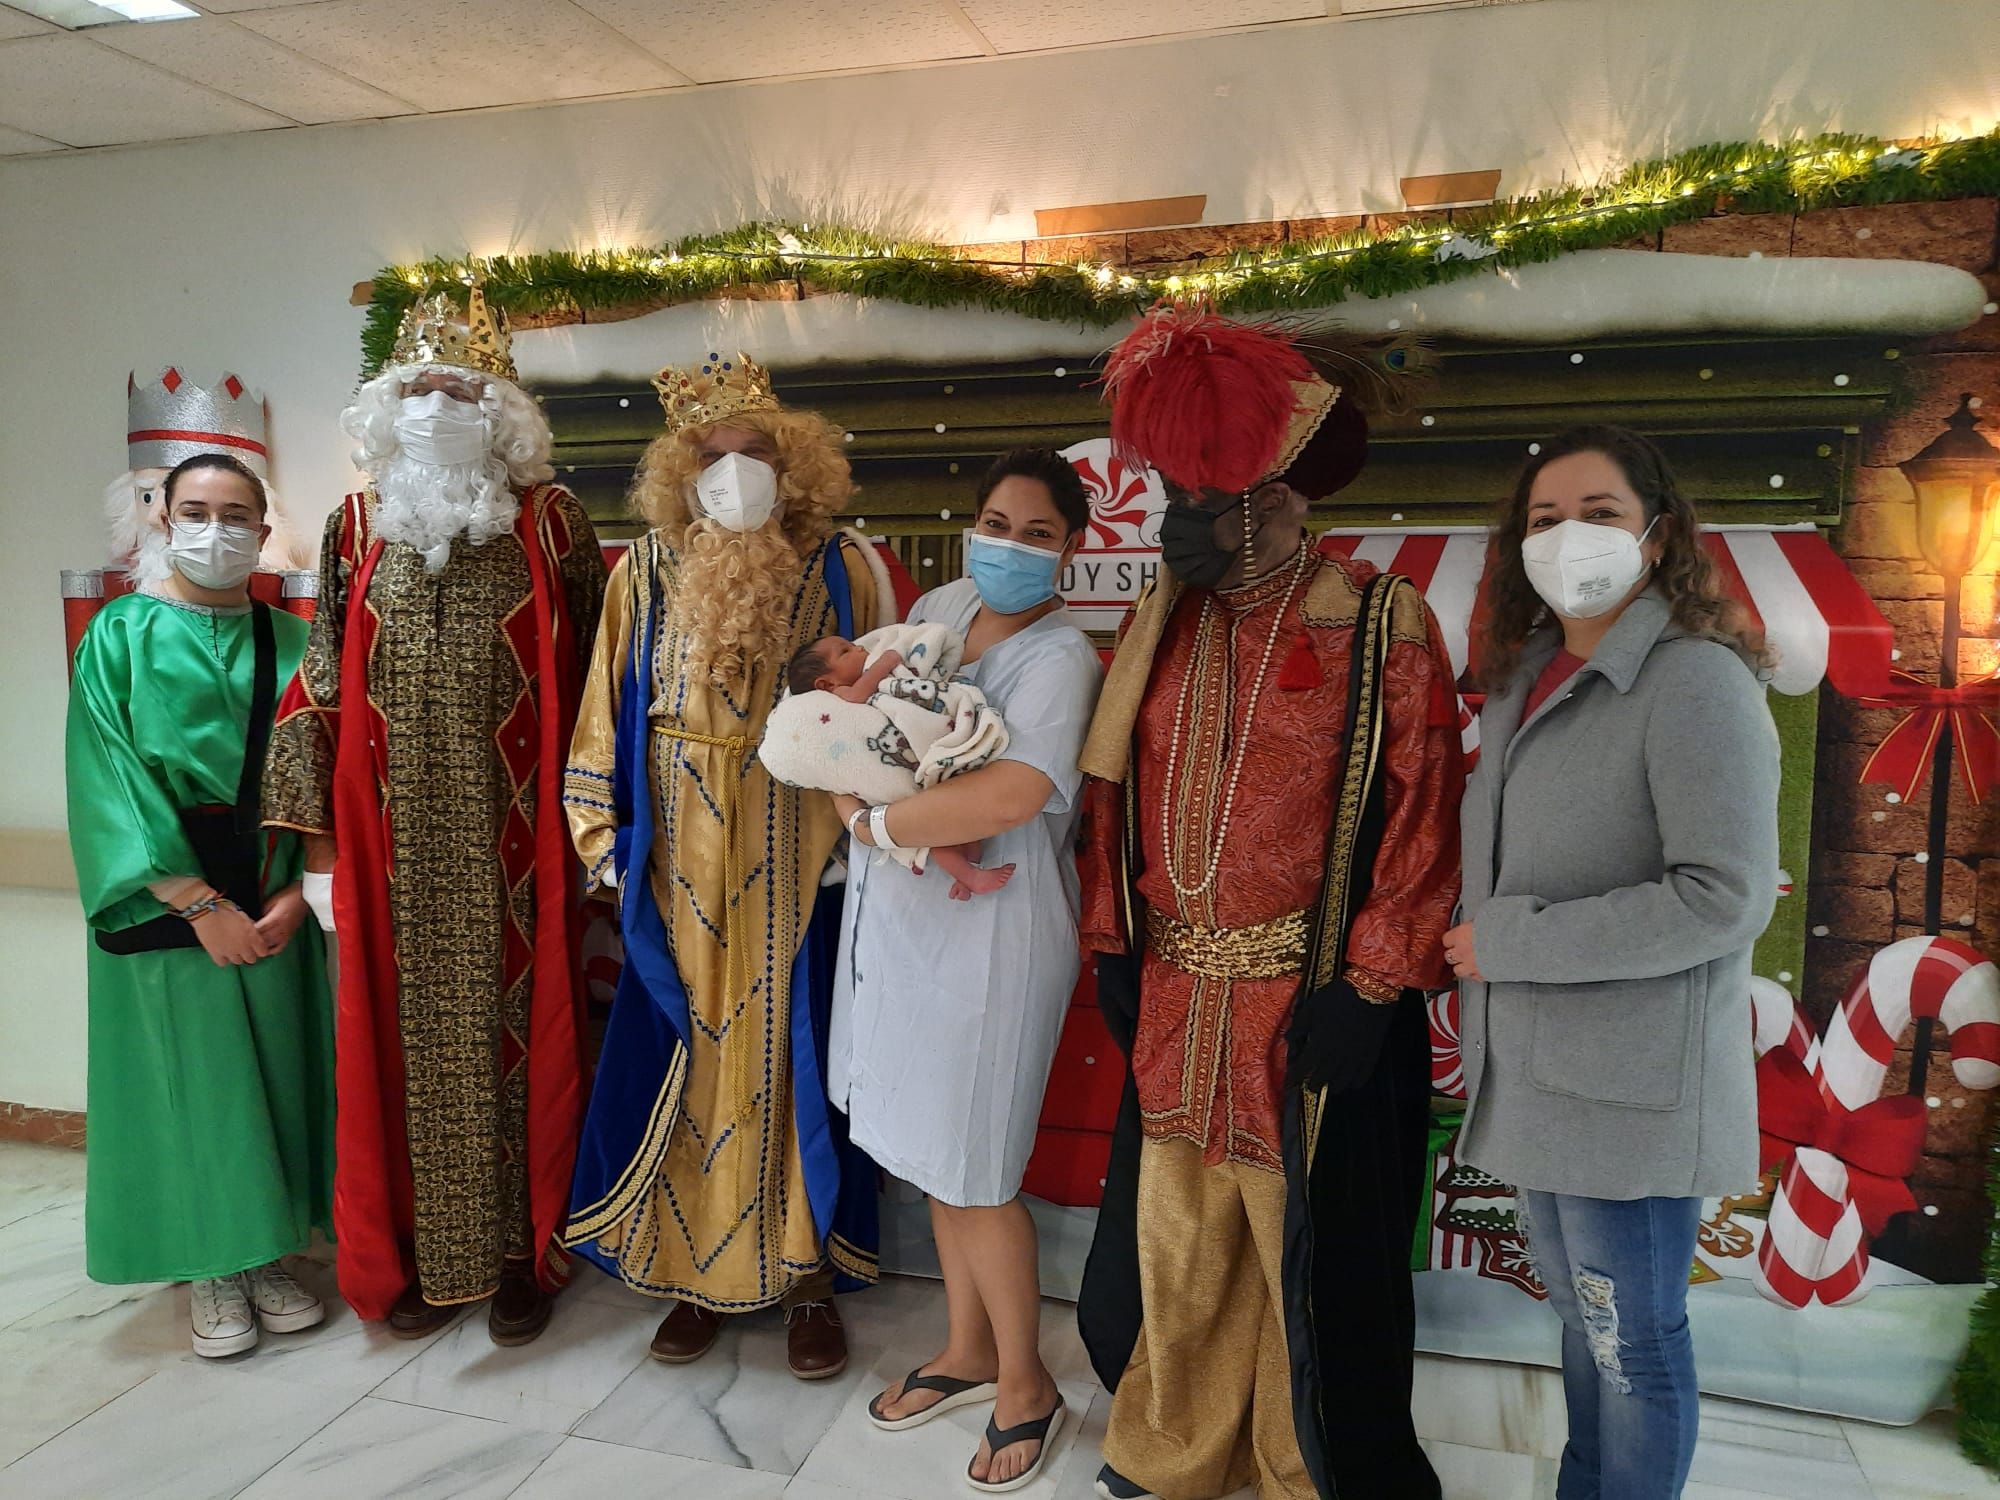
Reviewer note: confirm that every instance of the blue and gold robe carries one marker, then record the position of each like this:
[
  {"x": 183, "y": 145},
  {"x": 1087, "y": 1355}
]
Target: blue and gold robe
[{"x": 712, "y": 1167}]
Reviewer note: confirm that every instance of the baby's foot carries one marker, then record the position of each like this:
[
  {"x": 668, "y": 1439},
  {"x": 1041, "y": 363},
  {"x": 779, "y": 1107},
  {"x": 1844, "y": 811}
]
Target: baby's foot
[{"x": 977, "y": 882}]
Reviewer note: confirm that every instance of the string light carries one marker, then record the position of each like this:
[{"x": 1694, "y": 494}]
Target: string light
[{"x": 1809, "y": 174}]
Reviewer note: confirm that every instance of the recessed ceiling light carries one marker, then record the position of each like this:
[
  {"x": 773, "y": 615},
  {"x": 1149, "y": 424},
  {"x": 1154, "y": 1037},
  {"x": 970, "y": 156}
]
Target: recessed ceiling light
[{"x": 78, "y": 14}]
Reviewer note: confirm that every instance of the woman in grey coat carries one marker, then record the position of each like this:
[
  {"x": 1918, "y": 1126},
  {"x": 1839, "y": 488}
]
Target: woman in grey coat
[{"x": 1620, "y": 844}]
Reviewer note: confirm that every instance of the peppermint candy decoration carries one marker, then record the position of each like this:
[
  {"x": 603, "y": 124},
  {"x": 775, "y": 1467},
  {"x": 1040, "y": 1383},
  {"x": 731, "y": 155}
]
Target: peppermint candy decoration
[{"x": 1447, "y": 1062}]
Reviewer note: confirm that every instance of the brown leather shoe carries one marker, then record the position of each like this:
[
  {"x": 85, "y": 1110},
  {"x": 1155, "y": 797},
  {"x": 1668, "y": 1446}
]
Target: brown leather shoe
[
  {"x": 520, "y": 1310},
  {"x": 815, "y": 1340},
  {"x": 686, "y": 1334},
  {"x": 414, "y": 1318}
]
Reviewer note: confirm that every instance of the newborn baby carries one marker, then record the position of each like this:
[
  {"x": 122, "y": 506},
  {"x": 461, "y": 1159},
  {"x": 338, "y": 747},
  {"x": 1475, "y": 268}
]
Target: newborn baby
[{"x": 881, "y": 718}]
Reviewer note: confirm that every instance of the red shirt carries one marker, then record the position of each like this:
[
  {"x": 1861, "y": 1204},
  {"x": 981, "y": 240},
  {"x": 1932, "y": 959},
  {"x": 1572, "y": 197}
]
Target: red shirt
[{"x": 1562, "y": 666}]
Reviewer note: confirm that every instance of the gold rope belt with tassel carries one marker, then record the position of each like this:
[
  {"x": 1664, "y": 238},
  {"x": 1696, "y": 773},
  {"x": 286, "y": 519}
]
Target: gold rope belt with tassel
[
  {"x": 1264, "y": 950},
  {"x": 735, "y": 947}
]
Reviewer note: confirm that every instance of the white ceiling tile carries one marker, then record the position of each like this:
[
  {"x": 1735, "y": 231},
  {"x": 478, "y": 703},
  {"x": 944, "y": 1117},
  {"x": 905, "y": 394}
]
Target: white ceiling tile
[
  {"x": 1030, "y": 25},
  {"x": 14, "y": 23},
  {"x": 19, "y": 142},
  {"x": 465, "y": 54},
  {"x": 254, "y": 68},
  {"x": 716, "y": 40},
  {"x": 70, "y": 89}
]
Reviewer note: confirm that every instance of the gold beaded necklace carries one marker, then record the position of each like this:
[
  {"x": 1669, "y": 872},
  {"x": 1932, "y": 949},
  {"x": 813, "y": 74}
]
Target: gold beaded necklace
[{"x": 1203, "y": 654}]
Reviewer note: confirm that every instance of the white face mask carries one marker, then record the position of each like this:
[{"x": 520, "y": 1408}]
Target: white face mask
[
  {"x": 738, "y": 491},
  {"x": 434, "y": 428},
  {"x": 210, "y": 555},
  {"x": 1581, "y": 569}
]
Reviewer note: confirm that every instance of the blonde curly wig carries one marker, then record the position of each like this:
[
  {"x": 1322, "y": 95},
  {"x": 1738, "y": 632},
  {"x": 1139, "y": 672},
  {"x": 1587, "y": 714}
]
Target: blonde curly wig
[{"x": 736, "y": 591}]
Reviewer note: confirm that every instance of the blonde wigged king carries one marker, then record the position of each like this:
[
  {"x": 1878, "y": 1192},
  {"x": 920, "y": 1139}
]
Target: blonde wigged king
[{"x": 734, "y": 602}]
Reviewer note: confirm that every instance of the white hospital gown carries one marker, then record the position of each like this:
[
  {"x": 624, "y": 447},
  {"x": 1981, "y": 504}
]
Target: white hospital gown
[{"x": 946, "y": 1013}]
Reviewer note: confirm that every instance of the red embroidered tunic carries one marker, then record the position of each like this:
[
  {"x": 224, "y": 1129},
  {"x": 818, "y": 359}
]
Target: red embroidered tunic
[{"x": 1209, "y": 1057}]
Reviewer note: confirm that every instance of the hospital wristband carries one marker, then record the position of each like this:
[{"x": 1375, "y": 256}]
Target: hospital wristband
[
  {"x": 878, "y": 828},
  {"x": 855, "y": 817}
]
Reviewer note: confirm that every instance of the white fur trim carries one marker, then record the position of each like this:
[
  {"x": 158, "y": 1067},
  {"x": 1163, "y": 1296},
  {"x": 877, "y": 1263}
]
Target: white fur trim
[{"x": 885, "y": 592}]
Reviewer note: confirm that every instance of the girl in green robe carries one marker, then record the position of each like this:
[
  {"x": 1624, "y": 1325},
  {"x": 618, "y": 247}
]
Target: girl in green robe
[{"x": 211, "y": 1100}]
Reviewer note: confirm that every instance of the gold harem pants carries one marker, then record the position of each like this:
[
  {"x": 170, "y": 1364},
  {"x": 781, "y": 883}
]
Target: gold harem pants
[{"x": 1205, "y": 1406}]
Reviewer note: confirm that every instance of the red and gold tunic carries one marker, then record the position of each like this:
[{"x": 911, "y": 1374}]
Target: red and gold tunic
[{"x": 1236, "y": 749}]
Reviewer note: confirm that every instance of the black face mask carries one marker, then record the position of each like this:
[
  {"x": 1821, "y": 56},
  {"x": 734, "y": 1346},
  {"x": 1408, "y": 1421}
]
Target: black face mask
[{"x": 1187, "y": 544}]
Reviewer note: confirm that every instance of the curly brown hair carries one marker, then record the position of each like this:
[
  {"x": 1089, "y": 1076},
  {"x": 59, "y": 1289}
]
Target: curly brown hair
[
  {"x": 1685, "y": 573},
  {"x": 736, "y": 591}
]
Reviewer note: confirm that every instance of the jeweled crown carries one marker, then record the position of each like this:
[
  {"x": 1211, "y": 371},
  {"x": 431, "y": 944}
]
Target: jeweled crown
[
  {"x": 435, "y": 332},
  {"x": 171, "y": 418},
  {"x": 702, "y": 395}
]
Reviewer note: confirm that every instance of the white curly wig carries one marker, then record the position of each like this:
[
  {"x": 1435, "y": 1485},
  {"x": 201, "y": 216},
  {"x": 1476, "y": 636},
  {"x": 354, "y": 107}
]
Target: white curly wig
[{"x": 427, "y": 506}]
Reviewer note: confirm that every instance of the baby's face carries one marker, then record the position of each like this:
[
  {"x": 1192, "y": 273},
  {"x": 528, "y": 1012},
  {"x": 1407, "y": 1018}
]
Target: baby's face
[{"x": 845, "y": 662}]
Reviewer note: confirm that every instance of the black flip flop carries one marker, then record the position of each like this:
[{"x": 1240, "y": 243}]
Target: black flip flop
[
  {"x": 956, "y": 1393},
  {"x": 1045, "y": 1430}
]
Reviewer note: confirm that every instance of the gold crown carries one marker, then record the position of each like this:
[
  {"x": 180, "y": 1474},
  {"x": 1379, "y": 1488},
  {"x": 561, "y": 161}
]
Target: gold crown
[
  {"x": 700, "y": 396},
  {"x": 434, "y": 332}
]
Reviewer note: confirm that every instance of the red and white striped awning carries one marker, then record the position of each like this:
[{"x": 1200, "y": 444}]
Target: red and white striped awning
[{"x": 1814, "y": 613}]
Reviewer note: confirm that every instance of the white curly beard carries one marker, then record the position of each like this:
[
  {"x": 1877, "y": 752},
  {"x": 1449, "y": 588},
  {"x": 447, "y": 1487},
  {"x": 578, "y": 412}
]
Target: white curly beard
[{"x": 428, "y": 506}]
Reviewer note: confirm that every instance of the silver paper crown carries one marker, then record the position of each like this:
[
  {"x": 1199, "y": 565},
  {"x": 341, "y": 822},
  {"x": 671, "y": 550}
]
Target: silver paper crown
[{"x": 171, "y": 418}]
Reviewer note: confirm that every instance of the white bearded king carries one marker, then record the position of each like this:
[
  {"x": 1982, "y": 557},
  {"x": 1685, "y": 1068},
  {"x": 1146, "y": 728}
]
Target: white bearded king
[
  {"x": 444, "y": 467},
  {"x": 171, "y": 418},
  {"x": 424, "y": 737}
]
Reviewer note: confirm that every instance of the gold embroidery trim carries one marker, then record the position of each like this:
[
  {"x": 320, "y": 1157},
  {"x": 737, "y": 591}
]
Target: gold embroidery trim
[
  {"x": 851, "y": 1259},
  {"x": 1266, "y": 950},
  {"x": 586, "y": 1224},
  {"x": 1365, "y": 736}
]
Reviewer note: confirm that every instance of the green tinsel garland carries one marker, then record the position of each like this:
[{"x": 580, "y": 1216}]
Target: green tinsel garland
[
  {"x": 1977, "y": 1389},
  {"x": 1827, "y": 171}
]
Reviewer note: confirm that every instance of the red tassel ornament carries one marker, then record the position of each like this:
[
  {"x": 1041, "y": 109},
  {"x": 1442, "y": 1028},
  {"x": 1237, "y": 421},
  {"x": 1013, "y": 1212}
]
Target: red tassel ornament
[{"x": 1300, "y": 672}]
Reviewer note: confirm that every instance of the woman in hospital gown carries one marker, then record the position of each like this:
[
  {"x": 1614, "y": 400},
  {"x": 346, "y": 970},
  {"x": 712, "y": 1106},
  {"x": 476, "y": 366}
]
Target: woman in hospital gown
[{"x": 946, "y": 1013}]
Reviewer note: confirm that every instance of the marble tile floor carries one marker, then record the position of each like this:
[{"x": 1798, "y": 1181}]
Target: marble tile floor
[{"x": 101, "y": 1399}]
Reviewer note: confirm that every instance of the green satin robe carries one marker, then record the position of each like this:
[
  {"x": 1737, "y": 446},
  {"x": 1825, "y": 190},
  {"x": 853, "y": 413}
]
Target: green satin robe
[{"x": 211, "y": 1088}]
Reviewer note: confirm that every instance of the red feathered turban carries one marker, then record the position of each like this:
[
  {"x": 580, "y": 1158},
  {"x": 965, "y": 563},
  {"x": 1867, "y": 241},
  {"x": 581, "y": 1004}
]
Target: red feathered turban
[{"x": 1216, "y": 404}]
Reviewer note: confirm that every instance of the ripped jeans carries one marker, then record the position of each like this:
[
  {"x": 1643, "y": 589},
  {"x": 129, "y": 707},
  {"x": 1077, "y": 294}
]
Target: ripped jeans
[{"x": 1617, "y": 1274}]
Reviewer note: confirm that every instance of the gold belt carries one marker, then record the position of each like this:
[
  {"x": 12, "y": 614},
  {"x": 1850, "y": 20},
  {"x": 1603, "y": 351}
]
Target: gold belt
[
  {"x": 1266, "y": 950},
  {"x": 735, "y": 943}
]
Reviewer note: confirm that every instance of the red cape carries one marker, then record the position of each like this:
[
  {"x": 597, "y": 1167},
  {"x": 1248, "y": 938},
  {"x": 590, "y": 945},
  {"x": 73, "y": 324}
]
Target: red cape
[{"x": 373, "y": 1215}]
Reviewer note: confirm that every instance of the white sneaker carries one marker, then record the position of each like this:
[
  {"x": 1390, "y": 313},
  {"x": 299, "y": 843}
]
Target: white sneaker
[
  {"x": 283, "y": 1306},
  {"x": 221, "y": 1316}
]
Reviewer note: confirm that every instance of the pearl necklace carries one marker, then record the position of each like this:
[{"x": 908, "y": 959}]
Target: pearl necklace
[{"x": 1213, "y": 862}]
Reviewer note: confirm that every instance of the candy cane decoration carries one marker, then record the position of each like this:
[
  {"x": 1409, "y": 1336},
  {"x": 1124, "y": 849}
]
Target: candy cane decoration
[
  {"x": 1815, "y": 1246},
  {"x": 1812, "y": 1242},
  {"x": 1939, "y": 977},
  {"x": 1777, "y": 1021}
]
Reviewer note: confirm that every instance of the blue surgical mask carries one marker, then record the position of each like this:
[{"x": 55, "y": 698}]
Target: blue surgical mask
[{"x": 1010, "y": 576}]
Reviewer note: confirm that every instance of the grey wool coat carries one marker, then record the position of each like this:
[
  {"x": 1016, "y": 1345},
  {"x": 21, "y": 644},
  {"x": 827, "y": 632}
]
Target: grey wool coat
[{"x": 1621, "y": 856}]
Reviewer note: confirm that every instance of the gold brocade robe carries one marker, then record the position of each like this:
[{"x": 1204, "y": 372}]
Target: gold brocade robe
[
  {"x": 714, "y": 1209},
  {"x": 451, "y": 674}
]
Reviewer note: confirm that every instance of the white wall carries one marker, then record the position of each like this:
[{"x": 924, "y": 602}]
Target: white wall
[{"x": 239, "y": 252}]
